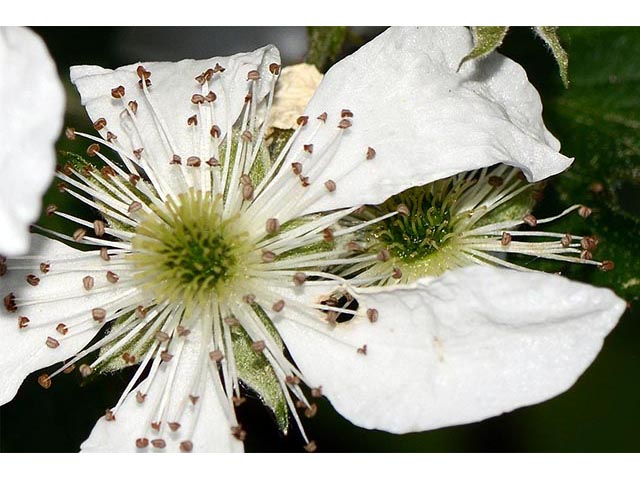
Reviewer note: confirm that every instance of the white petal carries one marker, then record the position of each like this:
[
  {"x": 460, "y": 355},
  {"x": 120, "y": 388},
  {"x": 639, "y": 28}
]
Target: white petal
[
  {"x": 211, "y": 427},
  {"x": 24, "y": 349},
  {"x": 424, "y": 119},
  {"x": 466, "y": 346},
  {"x": 173, "y": 85},
  {"x": 32, "y": 105}
]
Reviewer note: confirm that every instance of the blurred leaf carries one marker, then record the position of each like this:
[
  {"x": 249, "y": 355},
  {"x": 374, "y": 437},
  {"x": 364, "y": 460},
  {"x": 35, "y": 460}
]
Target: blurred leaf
[
  {"x": 485, "y": 41},
  {"x": 325, "y": 45},
  {"x": 550, "y": 37},
  {"x": 598, "y": 121}
]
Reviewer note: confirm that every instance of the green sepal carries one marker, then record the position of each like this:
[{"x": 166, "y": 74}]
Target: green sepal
[
  {"x": 485, "y": 41},
  {"x": 550, "y": 37},
  {"x": 325, "y": 44}
]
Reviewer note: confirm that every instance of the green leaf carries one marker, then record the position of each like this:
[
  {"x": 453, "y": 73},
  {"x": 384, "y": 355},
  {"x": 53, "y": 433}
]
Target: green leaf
[
  {"x": 598, "y": 122},
  {"x": 550, "y": 37},
  {"x": 325, "y": 44},
  {"x": 485, "y": 40}
]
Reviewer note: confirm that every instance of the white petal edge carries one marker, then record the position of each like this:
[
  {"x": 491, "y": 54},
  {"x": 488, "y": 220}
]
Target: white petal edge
[
  {"x": 206, "y": 420},
  {"x": 424, "y": 119},
  {"x": 469, "y": 345},
  {"x": 24, "y": 350},
  {"x": 32, "y": 102},
  {"x": 172, "y": 86}
]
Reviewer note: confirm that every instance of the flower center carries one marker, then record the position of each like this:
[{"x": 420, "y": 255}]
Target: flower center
[{"x": 187, "y": 251}]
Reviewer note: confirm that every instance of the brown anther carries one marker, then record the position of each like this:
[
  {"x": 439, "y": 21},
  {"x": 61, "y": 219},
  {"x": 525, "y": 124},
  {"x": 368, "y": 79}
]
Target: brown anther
[
  {"x": 258, "y": 346},
  {"x": 174, "y": 426},
  {"x": 44, "y": 381},
  {"x": 300, "y": 404},
  {"x": 213, "y": 162},
  {"x": 118, "y": 92},
  {"x": 272, "y": 225},
  {"x": 104, "y": 254},
  {"x": 589, "y": 243},
  {"x": 98, "y": 228},
  {"x": 86, "y": 170},
  {"x": 304, "y": 181},
  {"x": 327, "y": 235},
  {"x": 52, "y": 342},
  {"x": 111, "y": 136},
  {"x": 186, "y": 446},
  {"x": 45, "y": 267},
  {"x": 93, "y": 149},
  {"x": 107, "y": 172},
  {"x": 70, "y": 133},
  {"x": 344, "y": 123},
  {"x": 245, "y": 179},
  {"x": 62, "y": 187},
  {"x": 192, "y": 120},
  {"x": 247, "y": 192},
  {"x": 607, "y": 266},
  {"x": 268, "y": 256},
  {"x": 161, "y": 336},
  {"x": 586, "y": 255},
  {"x": 142, "y": 72},
  {"x": 197, "y": 99},
  {"x": 372, "y": 315},
  {"x": 530, "y": 220},
  {"x": 596, "y": 188},
  {"x": 322, "y": 117},
  {"x": 308, "y": 148},
  {"x": 354, "y": 246},
  {"x": 216, "y": 355},
  {"x": 274, "y": 68},
  {"x": 142, "y": 443},
  {"x": 397, "y": 273},
  {"x": 140, "y": 397},
  {"x": 138, "y": 153},
  {"x": 128, "y": 358},
  {"x": 537, "y": 194},
  {"x": 299, "y": 278},
  {"x": 495, "y": 181},
  {"x": 302, "y": 120},
  {"x": 316, "y": 392},
  {"x": 23, "y": 322},
  {"x": 566, "y": 240},
  {"x": 193, "y": 399},
  {"x": 79, "y": 234},
  {"x": 215, "y": 131},
  {"x": 362, "y": 350},
  {"x": 99, "y": 124},
  {"x": 134, "y": 179},
  {"x": 10, "y": 303},
  {"x": 292, "y": 380},
  {"x": 371, "y": 153},
  {"x": 133, "y": 106},
  {"x": 237, "y": 401},
  {"x": 200, "y": 79},
  {"x": 140, "y": 312},
  {"x": 210, "y": 97},
  {"x": 330, "y": 185},
  {"x": 238, "y": 432},
  {"x": 296, "y": 167},
  {"x": 383, "y": 255},
  {"x": 69, "y": 369},
  {"x": 62, "y": 329},
  {"x": 584, "y": 211},
  {"x": 193, "y": 162},
  {"x": 33, "y": 280},
  {"x": 182, "y": 332},
  {"x": 108, "y": 415},
  {"x": 156, "y": 426},
  {"x": 99, "y": 314},
  {"x": 506, "y": 239},
  {"x": 311, "y": 447},
  {"x": 311, "y": 411},
  {"x": 403, "y": 210},
  {"x": 345, "y": 113},
  {"x": 253, "y": 75},
  {"x": 85, "y": 370},
  {"x": 218, "y": 68},
  {"x": 134, "y": 207},
  {"x": 278, "y": 306},
  {"x": 176, "y": 160},
  {"x": 165, "y": 356},
  {"x": 158, "y": 443}
]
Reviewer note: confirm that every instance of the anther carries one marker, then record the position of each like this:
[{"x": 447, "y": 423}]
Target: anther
[
  {"x": 216, "y": 355},
  {"x": 589, "y": 243},
  {"x": 278, "y": 306},
  {"x": 118, "y": 92},
  {"x": 299, "y": 278},
  {"x": 211, "y": 97},
  {"x": 362, "y": 350},
  {"x": 371, "y": 153},
  {"x": 193, "y": 399},
  {"x": 10, "y": 303},
  {"x": 586, "y": 255},
  {"x": 52, "y": 342},
  {"x": 140, "y": 397},
  {"x": 327, "y": 235},
  {"x": 302, "y": 120},
  {"x": 304, "y": 181},
  {"x": 182, "y": 332},
  {"x": 98, "y": 228},
  {"x": 296, "y": 167},
  {"x": 238, "y": 432},
  {"x": 192, "y": 120},
  {"x": 137, "y": 153},
  {"x": 596, "y": 188},
  {"x": 44, "y": 381},
  {"x": 93, "y": 149},
  {"x": 311, "y": 447},
  {"x": 70, "y": 133},
  {"x": 23, "y": 322},
  {"x": 274, "y": 68},
  {"x": 354, "y": 246},
  {"x": 69, "y": 369},
  {"x": 79, "y": 234},
  {"x": 397, "y": 273},
  {"x": 193, "y": 162},
  {"x": 607, "y": 266},
  {"x": 158, "y": 443},
  {"x": 174, "y": 426},
  {"x": 322, "y": 117},
  {"x": 112, "y": 136},
  {"x": 134, "y": 179},
  {"x": 530, "y": 220},
  {"x": 142, "y": 73},
  {"x": 186, "y": 446},
  {"x": 133, "y": 105},
  {"x": 272, "y": 225},
  {"x": 506, "y": 239},
  {"x": 134, "y": 206},
  {"x": 99, "y": 314},
  {"x": 316, "y": 392},
  {"x": 383, "y": 255},
  {"x": 330, "y": 185},
  {"x": 308, "y": 148},
  {"x": 247, "y": 192},
  {"x": 403, "y": 210},
  {"x": 142, "y": 443},
  {"x": 156, "y": 426},
  {"x": 197, "y": 99},
  {"x": 495, "y": 181},
  {"x": 268, "y": 256},
  {"x": 311, "y": 411},
  {"x": 107, "y": 172},
  {"x": 566, "y": 240},
  {"x": 85, "y": 370},
  {"x": 292, "y": 380},
  {"x": 245, "y": 179},
  {"x": 165, "y": 356},
  {"x": 258, "y": 346},
  {"x": 345, "y": 113},
  {"x": 32, "y": 280},
  {"x": 213, "y": 162},
  {"x": 161, "y": 336},
  {"x": 176, "y": 160},
  {"x": 215, "y": 131},
  {"x": 253, "y": 75},
  {"x": 584, "y": 211},
  {"x": 108, "y": 415},
  {"x": 99, "y": 124},
  {"x": 218, "y": 68},
  {"x": 128, "y": 358},
  {"x": 62, "y": 329},
  {"x": 104, "y": 254},
  {"x": 372, "y": 315},
  {"x": 140, "y": 312},
  {"x": 247, "y": 136},
  {"x": 344, "y": 123},
  {"x": 45, "y": 267}
]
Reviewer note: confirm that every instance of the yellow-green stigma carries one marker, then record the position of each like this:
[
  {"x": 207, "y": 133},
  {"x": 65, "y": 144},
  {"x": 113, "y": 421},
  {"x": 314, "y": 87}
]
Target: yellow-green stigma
[{"x": 187, "y": 251}]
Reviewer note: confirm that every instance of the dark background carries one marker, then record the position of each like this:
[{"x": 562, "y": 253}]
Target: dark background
[{"x": 600, "y": 413}]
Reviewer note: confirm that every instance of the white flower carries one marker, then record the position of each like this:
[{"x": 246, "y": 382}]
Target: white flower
[
  {"x": 202, "y": 239},
  {"x": 32, "y": 102}
]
